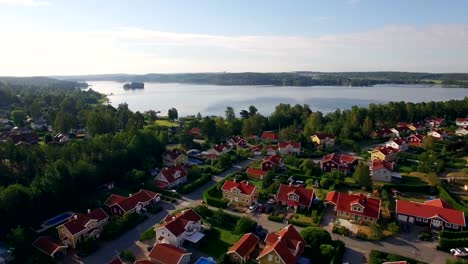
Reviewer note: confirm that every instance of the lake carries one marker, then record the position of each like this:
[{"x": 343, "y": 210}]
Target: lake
[{"x": 189, "y": 99}]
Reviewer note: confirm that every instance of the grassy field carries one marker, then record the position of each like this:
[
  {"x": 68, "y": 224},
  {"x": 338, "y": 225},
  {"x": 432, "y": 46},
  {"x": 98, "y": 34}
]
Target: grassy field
[
  {"x": 258, "y": 183},
  {"x": 416, "y": 178},
  {"x": 166, "y": 123},
  {"x": 217, "y": 241}
]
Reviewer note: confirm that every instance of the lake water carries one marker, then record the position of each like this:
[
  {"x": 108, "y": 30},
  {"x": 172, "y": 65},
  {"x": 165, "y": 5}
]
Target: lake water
[{"x": 213, "y": 99}]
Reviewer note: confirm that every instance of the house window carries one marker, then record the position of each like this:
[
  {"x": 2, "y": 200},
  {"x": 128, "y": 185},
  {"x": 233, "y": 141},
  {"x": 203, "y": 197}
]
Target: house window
[
  {"x": 448, "y": 225},
  {"x": 418, "y": 218},
  {"x": 455, "y": 226},
  {"x": 277, "y": 259},
  {"x": 424, "y": 220},
  {"x": 347, "y": 214},
  {"x": 270, "y": 257}
]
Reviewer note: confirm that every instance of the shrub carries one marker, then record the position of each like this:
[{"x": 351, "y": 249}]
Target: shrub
[
  {"x": 393, "y": 228},
  {"x": 341, "y": 230},
  {"x": 300, "y": 223},
  {"x": 203, "y": 211},
  {"x": 340, "y": 249},
  {"x": 275, "y": 218},
  {"x": 315, "y": 236},
  {"x": 411, "y": 188},
  {"x": 118, "y": 226},
  {"x": 216, "y": 202},
  {"x": 447, "y": 244},
  {"x": 203, "y": 179},
  {"x": 148, "y": 234},
  {"x": 425, "y": 236},
  {"x": 127, "y": 255},
  {"x": 244, "y": 225}
]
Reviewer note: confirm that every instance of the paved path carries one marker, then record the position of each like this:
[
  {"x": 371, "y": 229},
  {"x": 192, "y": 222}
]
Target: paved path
[{"x": 110, "y": 249}]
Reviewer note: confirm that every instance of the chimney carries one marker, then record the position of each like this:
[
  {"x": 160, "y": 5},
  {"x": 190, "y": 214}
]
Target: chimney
[
  {"x": 89, "y": 211},
  {"x": 235, "y": 179},
  {"x": 290, "y": 183},
  {"x": 130, "y": 195},
  {"x": 75, "y": 217}
]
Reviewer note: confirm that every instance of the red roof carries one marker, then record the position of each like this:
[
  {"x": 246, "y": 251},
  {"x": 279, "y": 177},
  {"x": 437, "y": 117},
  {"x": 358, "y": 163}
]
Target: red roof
[
  {"x": 116, "y": 260},
  {"x": 194, "y": 131},
  {"x": 339, "y": 158},
  {"x": 258, "y": 172},
  {"x": 323, "y": 135},
  {"x": 236, "y": 139},
  {"x": 275, "y": 159},
  {"x": 386, "y": 150},
  {"x": 78, "y": 221},
  {"x": 176, "y": 224},
  {"x": 461, "y": 120},
  {"x": 130, "y": 202},
  {"x": 436, "y": 120},
  {"x": 399, "y": 141},
  {"x": 438, "y": 203},
  {"x": 305, "y": 195},
  {"x": 244, "y": 245},
  {"x": 344, "y": 202},
  {"x": 430, "y": 210},
  {"x": 378, "y": 164},
  {"x": 289, "y": 143},
  {"x": 173, "y": 154},
  {"x": 167, "y": 254},
  {"x": 243, "y": 186},
  {"x": 173, "y": 173},
  {"x": 256, "y": 148},
  {"x": 220, "y": 147},
  {"x": 48, "y": 245},
  {"x": 270, "y": 135},
  {"x": 417, "y": 137},
  {"x": 284, "y": 242},
  {"x": 272, "y": 147}
]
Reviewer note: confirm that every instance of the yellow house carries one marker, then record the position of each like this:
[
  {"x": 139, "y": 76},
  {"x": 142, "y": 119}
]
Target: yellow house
[
  {"x": 284, "y": 247},
  {"x": 240, "y": 193},
  {"x": 174, "y": 158},
  {"x": 384, "y": 153},
  {"x": 323, "y": 140},
  {"x": 82, "y": 226}
]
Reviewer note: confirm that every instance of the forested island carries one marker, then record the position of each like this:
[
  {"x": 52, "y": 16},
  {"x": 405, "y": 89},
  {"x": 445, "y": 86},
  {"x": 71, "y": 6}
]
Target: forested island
[
  {"x": 301, "y": 78},
  {"x": 134, "y": 85}
]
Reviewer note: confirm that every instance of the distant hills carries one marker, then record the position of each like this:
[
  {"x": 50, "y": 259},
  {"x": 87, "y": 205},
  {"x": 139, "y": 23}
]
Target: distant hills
[
  {"x": 302, "y": 78},
  {"x": 41, "y": 82}
]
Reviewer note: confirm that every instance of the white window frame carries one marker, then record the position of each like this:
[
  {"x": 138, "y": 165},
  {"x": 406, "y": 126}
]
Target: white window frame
[
  {"x": 448, "y": 225},
  {"x": 270, "y": 257},
  {"x": 418, "y": 218},
  {"x": 425, "y": 220},
  {"x": 454, "y": 226}
]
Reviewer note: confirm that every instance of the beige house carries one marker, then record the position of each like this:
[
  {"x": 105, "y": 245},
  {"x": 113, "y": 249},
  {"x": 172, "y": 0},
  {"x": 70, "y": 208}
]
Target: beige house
[
  {"x": 82, "y": 226},
  {"x": 240, "y": 193}
]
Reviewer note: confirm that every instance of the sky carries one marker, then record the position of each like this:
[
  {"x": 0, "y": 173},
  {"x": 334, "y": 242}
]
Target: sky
[{"x": 70, "y": 37}]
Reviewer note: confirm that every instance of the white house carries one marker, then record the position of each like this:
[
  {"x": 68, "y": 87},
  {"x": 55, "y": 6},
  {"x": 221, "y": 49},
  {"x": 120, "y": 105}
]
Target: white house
[
  {"x": 397, "y": 143},
  {"x": 186, "y": 225},
  {"x": 461, "y": 131}
]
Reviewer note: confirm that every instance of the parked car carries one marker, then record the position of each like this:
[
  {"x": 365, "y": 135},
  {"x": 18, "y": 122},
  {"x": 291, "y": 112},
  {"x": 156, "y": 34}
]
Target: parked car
[
  {"x": 459, "y": 252},
  {"x": 271, "y": 201},
  {"x": 252, "y": 208}
]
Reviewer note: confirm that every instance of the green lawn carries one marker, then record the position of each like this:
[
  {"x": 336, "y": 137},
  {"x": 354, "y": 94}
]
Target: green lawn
[
  {"x": 217, "y": 241},
  {"x": 166, "y": 123},
  {"x": 258, "y": 183}
]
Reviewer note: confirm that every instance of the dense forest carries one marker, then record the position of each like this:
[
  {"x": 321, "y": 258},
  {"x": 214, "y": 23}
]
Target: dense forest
[{"x": 289, "y": 78}]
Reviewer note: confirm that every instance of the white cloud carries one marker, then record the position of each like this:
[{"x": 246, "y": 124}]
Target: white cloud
[
  {"x": 25, "y": 2},
  {"x": 438, "y": 48}
]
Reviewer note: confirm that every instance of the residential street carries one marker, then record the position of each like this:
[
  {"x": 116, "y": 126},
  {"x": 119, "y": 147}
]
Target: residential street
[
  {"x": 356, "y": 251},
  {"x": 109, "y": 250}
]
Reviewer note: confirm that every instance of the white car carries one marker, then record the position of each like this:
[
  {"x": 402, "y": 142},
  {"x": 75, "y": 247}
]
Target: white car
[
  {"x": 271, "y": 201},
  {"x": 253, "y": 207},
  {"x": 459, "y": 252}
]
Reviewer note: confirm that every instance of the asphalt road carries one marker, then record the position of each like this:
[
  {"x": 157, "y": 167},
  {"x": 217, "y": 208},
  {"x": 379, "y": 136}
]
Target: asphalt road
[{"x": 109, "y": 249}]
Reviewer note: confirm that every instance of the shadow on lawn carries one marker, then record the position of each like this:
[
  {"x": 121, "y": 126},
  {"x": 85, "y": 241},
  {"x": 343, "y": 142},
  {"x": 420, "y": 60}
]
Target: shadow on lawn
[{"x": 212, "y": 244}]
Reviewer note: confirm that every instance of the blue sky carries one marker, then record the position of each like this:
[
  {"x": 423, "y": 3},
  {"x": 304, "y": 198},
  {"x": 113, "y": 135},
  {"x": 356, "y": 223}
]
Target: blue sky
[{"x": 52, "y": 37}]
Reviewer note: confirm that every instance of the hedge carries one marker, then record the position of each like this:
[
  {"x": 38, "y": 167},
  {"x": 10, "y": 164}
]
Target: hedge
[
  {"x": 411, "y": 188},
  {"x": 275, "y": 218},
  {"x": 300, "y": 223},
  {"x": 445, "y": 195},
  {"x": 447, "y": 243},
  {"x": 379, "y": 257},
  {"x": 453, "y": 234},
  {"x": 189, "y": 187},
  {"x": 216, "y": 202},
  {"x": 340, "y": 249}
]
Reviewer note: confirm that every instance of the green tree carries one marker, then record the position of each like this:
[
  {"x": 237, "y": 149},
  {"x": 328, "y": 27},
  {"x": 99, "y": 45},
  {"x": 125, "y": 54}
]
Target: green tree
[
  {"x": 18, "y": 117},
  {"x": 252, "y": 110},
  {"x": 244, "y": 225},
  {"x": 313, "y": 124},
  {"x": 362, "y": 175},
  {"x": 18, "y": 239},
  {"x": 172, "y": 114},
  {"x": 315, "y": 236},
  {"x": 230, "y": 114},
  {"x": 328, "y": 251}
]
